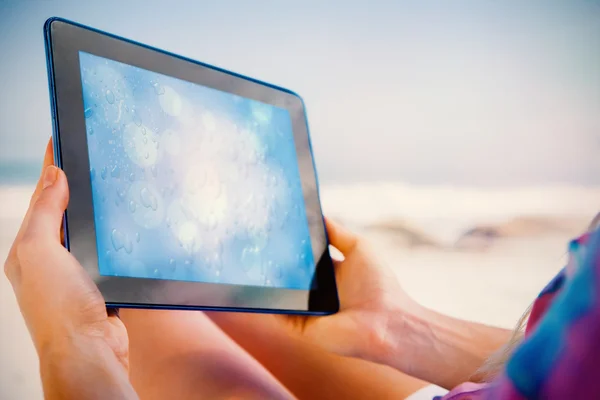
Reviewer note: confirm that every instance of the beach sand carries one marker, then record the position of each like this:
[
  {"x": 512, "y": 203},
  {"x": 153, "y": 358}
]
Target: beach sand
[
  {"x": 19, "y": 377},
  {"x": 493, "y": 285}
]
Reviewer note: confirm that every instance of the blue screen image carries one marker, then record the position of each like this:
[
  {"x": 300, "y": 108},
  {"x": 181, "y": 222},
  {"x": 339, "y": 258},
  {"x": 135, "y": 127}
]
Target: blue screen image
[{"x": 191, "y": 183}]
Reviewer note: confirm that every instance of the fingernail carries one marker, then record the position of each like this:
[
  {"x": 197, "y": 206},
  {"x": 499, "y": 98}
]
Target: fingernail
[{"x": 50, "y": 175}]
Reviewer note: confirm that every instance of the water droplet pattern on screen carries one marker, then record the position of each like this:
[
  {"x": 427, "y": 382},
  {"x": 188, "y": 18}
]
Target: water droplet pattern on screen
[{"x": 196, "y": 184}]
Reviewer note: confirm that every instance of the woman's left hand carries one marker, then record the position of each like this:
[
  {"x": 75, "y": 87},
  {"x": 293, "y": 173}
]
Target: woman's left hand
[{"x": 83, "y": 351}]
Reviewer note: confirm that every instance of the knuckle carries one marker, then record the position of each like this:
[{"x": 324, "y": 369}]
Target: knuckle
[
  {"x": 360, "y": 244},
  {"x": 358, "y": 241},
  {"x": 29, "y": 251},
  {"x": 11, "y": 269},
  {"x": 28, "y": 248},
  {"x": 25, "y": 247},
  {"x": 44, "y": 204}
]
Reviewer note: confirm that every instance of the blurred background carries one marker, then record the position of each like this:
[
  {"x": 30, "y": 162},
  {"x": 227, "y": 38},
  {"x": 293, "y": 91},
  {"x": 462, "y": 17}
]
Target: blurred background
[{"x": 461, "y": 137}]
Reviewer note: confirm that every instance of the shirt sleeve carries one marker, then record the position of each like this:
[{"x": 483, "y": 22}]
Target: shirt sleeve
[
  {"x": 559, "y": 359},
  {"x": 428, "y": 392}
]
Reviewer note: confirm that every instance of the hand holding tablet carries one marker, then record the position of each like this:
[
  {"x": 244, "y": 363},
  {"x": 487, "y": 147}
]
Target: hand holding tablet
[
  {"x": 191, "y": 187},
  {"x": 65, "y": 311}
]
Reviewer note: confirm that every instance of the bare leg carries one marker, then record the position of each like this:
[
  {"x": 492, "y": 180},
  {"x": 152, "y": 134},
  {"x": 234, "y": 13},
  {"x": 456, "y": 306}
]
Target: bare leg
[
  {"x": 183, "y": 355},
  {"x": 308, "y": 371}
]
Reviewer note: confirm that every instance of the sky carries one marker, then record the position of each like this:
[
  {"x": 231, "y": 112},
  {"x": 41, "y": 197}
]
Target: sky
[{"x": 467, "y": 93}]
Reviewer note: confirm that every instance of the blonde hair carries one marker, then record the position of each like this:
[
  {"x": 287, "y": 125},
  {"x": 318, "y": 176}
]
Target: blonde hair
[
  {"x": 495, "y": 363},
  {"x": 595, "y": 224}
]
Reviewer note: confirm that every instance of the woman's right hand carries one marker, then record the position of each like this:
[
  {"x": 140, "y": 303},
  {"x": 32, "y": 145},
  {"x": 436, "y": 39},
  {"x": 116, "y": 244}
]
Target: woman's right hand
[
  {"x": 374, "y": 309},
  {"x": 371, "y": 300},
  {"x": 379, "y": 322}
]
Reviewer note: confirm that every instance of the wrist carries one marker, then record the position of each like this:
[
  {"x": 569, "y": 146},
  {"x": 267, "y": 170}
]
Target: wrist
[
  {"x": 437, "y": 348},
  {"x": 424, "y": 347},
  {"x": 407, "y": 342}
]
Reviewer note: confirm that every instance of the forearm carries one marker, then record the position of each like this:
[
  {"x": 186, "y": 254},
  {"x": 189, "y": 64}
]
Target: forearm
[
  {"x": 440, "y": 349},
  {"x": 83, "y": 368}
]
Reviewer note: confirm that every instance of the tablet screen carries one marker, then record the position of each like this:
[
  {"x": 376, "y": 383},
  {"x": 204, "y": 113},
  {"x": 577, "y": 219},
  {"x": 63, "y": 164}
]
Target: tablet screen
[{"x": 190, "y": 183}]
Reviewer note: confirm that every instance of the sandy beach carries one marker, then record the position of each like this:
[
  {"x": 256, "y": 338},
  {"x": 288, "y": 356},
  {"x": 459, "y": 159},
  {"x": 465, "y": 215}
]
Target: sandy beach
[
  {"x": 491, "y": 283},
  {"x": 19, "y": 378}
]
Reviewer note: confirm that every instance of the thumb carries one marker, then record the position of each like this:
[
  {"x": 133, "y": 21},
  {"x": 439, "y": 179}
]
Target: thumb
[
  {"x": 47, "y": 211},
  {"x": 341, "y": 238}
]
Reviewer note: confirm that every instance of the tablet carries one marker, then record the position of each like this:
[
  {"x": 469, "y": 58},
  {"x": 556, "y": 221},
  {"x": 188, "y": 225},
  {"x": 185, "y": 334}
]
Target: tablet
[{"x": 191, "y": 187}]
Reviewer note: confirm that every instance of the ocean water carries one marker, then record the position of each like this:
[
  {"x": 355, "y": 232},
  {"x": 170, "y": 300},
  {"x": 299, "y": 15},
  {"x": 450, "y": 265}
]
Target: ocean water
[{"x": 19, "y": 172}]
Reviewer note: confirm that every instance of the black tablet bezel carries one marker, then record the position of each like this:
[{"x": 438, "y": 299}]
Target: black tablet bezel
[{"x": 64, "y": 41}]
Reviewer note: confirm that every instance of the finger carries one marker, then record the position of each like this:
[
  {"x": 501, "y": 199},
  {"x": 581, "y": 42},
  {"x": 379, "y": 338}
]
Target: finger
[
  {"x": 46, "y": 213},
  {"x": 341, "y": 238},
  {"x": 48, "y": 160}
]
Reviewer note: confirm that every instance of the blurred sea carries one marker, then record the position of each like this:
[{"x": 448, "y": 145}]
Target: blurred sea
[{"x": 19, "y": 172}]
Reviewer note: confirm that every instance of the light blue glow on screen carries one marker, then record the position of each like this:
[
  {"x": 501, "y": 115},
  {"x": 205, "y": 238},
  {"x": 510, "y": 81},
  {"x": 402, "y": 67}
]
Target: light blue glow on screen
[{"x": 191, "y": 183}]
